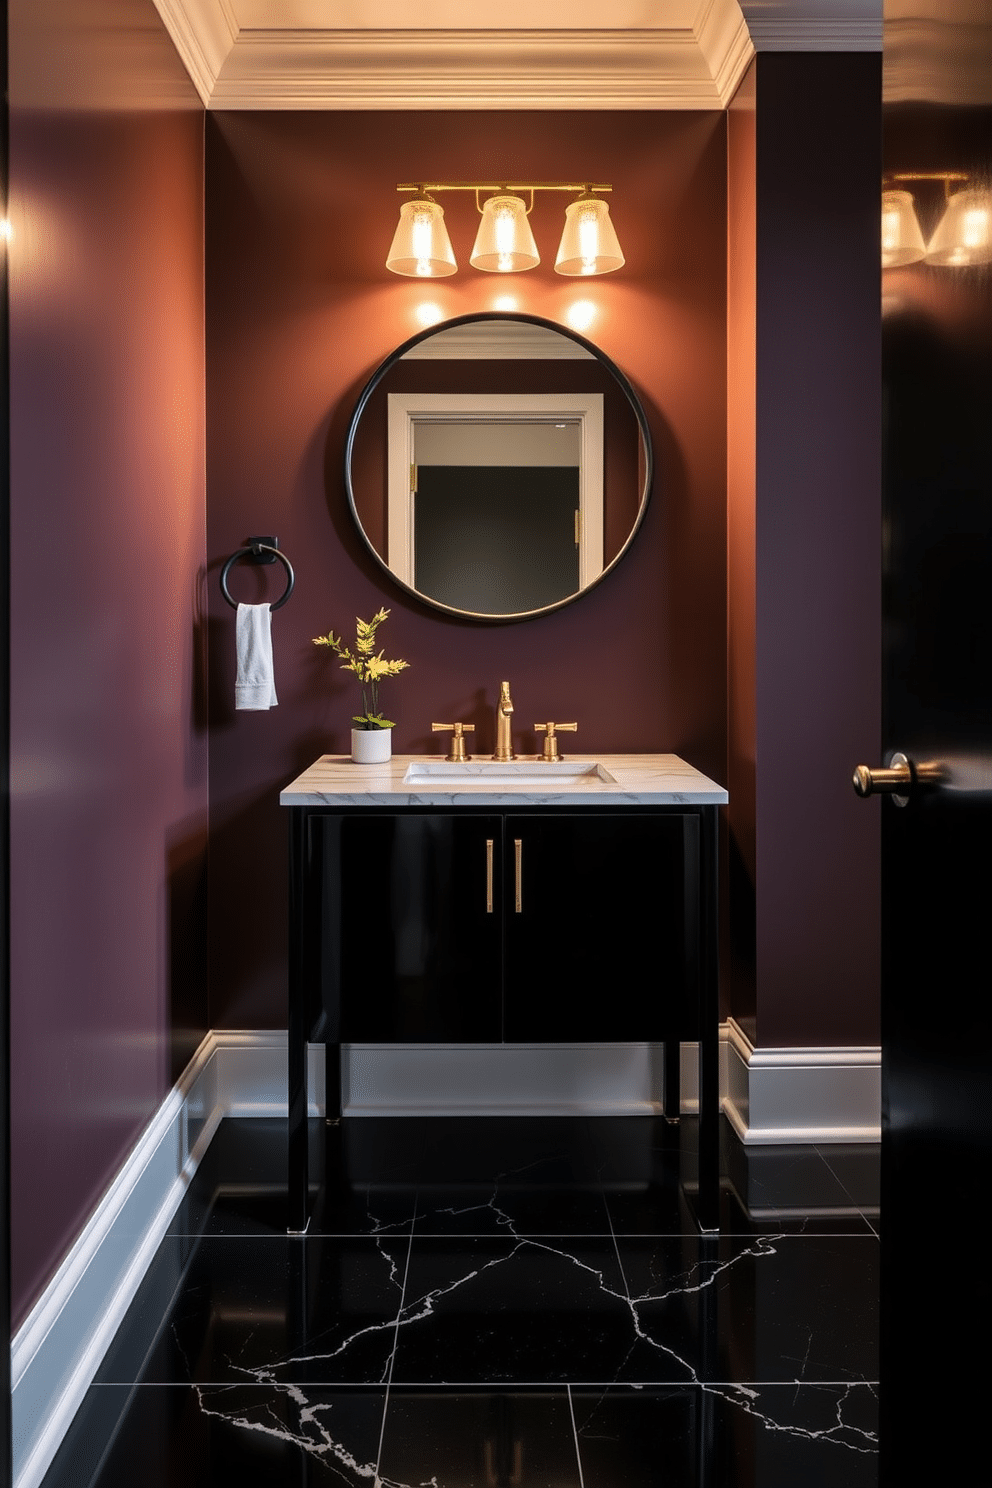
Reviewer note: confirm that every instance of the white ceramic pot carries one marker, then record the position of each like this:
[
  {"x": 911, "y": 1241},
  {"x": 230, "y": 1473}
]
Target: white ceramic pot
[{"x": 371, "y": 746}]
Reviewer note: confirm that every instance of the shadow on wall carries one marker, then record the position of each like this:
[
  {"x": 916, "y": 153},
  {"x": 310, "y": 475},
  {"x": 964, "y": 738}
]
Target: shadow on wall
[{"x": 186, "y": 941}]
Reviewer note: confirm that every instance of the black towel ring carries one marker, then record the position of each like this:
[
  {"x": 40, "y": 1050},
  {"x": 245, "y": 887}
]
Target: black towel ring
[{"x": 256, "y": 550}]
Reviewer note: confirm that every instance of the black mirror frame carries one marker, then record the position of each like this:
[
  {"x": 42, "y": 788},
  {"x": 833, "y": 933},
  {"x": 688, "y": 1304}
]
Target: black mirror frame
[{"x": 622, "y": 381}]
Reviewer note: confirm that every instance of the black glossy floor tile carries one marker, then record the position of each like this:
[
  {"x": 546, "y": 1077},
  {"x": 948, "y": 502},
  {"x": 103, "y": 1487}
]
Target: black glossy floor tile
[
  {"x": 526, "y": 1311},
  {"x": 509, "y": 1210},
  {"x": 857, "y": 1168},
  {"x": 799, "y": 1188},
  {"x": 240, "y": 1186},
  {"x": 778, "y": 1436},
  {"x": 773, "y": 1437},
  {"x": 798, "y": 1308},
  {"x": 498, "y": 1301},
  {"x": 436, "y": 1153},
  {"x": 252, "y": 1436},
  {"x": 479, "y": 1438},
  {"x": 265, "y": 1308},
  {"x": 638, "y": 1438}
]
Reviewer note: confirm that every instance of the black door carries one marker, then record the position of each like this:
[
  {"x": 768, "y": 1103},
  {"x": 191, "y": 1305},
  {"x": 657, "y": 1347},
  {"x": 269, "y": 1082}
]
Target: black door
[
  {"x": 937, "y": 849},
  {"x": 601, "y": 926}
]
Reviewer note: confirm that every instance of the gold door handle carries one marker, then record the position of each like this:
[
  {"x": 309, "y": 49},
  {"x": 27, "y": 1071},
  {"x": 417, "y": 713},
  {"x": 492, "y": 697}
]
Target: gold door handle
[
  {"x": 894, "y": 779},
  {"x": 518, "y": 875},
  {"x": 489, "y": 875},
  {"x": 897, "y": 779}
]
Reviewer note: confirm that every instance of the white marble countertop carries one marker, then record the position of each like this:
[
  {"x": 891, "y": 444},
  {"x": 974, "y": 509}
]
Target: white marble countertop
[{"x": 637, "y": 780}]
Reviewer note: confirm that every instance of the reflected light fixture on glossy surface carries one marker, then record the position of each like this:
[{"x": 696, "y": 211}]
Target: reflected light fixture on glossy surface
[
  {"x": 964, "y": 233},
  {"x": 963, "y": 236},
  {"x": 902, "y": 236},
  {"x": 505, "y": 243}
]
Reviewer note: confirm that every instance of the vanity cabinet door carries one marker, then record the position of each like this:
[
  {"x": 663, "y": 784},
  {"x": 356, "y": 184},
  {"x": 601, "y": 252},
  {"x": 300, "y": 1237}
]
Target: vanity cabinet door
[
  {"x": 411, "y": 940},
  {"x": 601, "y": 926}
]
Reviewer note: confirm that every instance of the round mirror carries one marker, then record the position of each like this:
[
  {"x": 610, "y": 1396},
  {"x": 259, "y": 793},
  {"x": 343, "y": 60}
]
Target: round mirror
[{"x": 498, "y": 466}]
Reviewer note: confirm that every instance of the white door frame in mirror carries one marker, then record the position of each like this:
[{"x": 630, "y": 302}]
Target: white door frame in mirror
[{"x": 406, "y": 410}]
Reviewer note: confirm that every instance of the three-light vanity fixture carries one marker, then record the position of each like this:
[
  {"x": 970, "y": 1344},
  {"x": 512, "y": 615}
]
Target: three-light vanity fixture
[
  {"x": 504, "y": 243},
  {"x": 963, "y": 236}
]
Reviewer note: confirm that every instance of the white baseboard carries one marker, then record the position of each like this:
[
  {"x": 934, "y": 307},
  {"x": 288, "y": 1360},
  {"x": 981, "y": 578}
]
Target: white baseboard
[
  {"x": 502, "y": 1079},
  {"x": 770, "y": 1096},
  {"x": 58, "y": 1348},
  {"x": 800, "y": 1096}
]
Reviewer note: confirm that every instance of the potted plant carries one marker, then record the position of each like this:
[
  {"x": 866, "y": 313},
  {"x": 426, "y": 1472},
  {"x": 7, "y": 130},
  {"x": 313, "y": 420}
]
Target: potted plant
[{"x": 370, "y": 737}]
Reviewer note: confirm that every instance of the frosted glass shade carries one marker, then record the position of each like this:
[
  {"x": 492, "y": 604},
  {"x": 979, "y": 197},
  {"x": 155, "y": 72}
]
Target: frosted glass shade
[
  {"x": 504, "y": 243},
  {"x": 589, "y": 243},
  {"x": 902, "y": 238},
  {"x": 964, "y": 233},
  {"x": 421, "y": 247}
]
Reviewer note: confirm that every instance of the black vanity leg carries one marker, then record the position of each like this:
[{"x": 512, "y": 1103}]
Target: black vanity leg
[
  {"x": 673, "y": 1073},
  {"x": 299, "y": 1156},
  {"x": 332, "y": 1082},
  {"x": 709, "y": 1026}
]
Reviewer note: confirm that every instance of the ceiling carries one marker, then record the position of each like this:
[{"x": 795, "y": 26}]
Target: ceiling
[{"x": 447, "y": 54}]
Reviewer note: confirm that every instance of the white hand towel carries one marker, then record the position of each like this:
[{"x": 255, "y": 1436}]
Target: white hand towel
[{"x": 255, "y": 686}]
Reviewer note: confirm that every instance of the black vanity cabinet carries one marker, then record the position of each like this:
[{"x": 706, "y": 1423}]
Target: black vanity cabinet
[
  {"x": 409, "y": 927},
  {"x": 538, "y": 927},
  {"x": 495, "y": 921},
  {"x": 600, "y": 926}
]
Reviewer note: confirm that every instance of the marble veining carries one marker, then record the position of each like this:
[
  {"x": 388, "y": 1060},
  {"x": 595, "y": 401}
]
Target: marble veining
[
  {"x": 435, "y": 1327},
  {"x": 667, "y": 1280},
  {"x": 638, "y": 780}
]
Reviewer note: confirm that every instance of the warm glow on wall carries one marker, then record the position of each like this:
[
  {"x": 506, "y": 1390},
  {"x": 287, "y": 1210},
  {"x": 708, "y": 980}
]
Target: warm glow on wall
[
  {"x": 581, "y": 315},
  {"x": 428, "y": 313}
]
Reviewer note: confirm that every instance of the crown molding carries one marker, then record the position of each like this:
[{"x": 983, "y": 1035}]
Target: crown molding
[
  {"x": 673, "y": 66},
  {"x": 467, "y": 70},
  {"x": 726, "y": 45},
  {"x": 204, "y": 33}
]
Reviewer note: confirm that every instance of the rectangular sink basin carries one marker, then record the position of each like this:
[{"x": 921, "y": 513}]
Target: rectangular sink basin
[{"x": 556, "y": 775}]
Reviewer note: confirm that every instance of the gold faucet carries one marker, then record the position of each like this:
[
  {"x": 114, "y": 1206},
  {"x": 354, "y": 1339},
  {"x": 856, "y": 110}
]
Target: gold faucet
[{"x": 504, "y": 741}]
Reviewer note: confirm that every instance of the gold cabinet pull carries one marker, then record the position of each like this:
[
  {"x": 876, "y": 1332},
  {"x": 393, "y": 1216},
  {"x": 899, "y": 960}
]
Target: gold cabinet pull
[
  {"x": 489, "y": 875},
  {"x": 518, "y": 874}
]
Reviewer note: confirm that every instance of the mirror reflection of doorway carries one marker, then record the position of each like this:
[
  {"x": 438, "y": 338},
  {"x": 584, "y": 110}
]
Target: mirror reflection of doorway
[
  {"x": 511, "y": 490},
  {"x": 497, "y": 506}
]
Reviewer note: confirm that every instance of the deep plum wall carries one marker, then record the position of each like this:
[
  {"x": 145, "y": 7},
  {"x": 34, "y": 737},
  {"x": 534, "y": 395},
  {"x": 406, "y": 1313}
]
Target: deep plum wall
[
  {"x": 108, "y": 722},
  {"x": 804, "y": 547},
  {"x": 301, "y": 209},
  {"x": 115, "y": 602}
]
